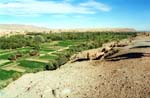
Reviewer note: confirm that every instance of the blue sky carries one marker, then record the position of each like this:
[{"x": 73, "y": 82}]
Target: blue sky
[{"x": 77, "y": 13}]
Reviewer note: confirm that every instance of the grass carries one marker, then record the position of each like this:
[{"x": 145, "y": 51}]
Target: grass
[
  {"x": 31, "y": 64},
  {"x": 46, "y": 50},
  {"x": 5, "y": 56},
  {"x": 3, "y": 51},
  {"x": 48, "y": 57},
  {"x": 47, "y": 44},
  {"x": 58, "y": 53},
  {"x": 25, "y": 49},
  {"x": 68, "y": 42},
  {"x": 6, "y": 63},
  {"x": 4, "y": 75}
]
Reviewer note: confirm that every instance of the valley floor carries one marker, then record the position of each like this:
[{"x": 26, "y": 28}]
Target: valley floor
[{"x": 125, "y": 75}]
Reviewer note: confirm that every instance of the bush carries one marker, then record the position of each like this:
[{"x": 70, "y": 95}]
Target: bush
[
  {"x": 15, "y": 76},
  {"x": 12, "y": 57},
  {"x": 50, "y": 66},
  {"x": 34, "y": 53},
  {"x": 61, "y": 60},
  {"x": 19, "y": 54},
  {"x": 39, "y": 39},
  {"x": 54, "y": 64}
]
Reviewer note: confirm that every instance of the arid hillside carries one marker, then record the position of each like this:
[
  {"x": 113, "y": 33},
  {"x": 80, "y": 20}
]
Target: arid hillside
[
  {"x": 22, "y": 29},
  {"x": 125, "y": 74}
]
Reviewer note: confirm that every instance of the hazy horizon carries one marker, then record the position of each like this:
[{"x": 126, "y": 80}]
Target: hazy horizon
[{"x": 77, "y": 13}]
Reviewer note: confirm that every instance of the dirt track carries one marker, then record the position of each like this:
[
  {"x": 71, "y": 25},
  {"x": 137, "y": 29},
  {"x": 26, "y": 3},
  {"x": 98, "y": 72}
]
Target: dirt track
[{"x": 124, "y": 75}]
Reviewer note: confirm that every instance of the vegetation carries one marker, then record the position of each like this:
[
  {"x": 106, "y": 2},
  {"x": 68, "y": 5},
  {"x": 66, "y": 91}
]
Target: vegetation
[
  {"x": 5, "y": 63},
  {"x": 6, "y": 74},
  {"x": 35, "y": 39},
  {"x": 49, "y": 57},
  {"x": 31, "y": 64}
]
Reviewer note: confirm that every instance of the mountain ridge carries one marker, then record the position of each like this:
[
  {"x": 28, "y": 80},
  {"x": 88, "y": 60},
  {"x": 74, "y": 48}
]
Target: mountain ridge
[{"x": 21, "y": 28}]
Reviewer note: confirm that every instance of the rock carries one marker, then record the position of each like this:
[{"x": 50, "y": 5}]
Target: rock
[
  {"x": 108, "y": 49},
  {"x": 88, "y": 55},
  {"x": 85, "y": 55},
  {"x": 65, "y": 92},
  {"x": 109, "y": 44},
  {"x": 110, "y": 53},
  {"x": 95, "y": 55},
  {"x": 123, "y": 43},
  {"x": 79, "y": 56}
]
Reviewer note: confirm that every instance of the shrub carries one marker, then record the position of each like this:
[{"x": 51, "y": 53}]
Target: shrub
[
  {"x": 50, "y": 66},
  {"x": 34, "y": 53},
  {"x": 39, "y": 39},
  {"x": 12, "y": 57},
  {"x": 19, "y": 54},
  {"x": 15, "y": 76}
]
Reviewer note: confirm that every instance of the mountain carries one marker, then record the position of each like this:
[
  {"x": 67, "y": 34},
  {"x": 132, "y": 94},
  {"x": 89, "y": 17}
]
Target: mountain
[
  {"x": 21, "y": 29},
  {"x": 13, "y": 28}
]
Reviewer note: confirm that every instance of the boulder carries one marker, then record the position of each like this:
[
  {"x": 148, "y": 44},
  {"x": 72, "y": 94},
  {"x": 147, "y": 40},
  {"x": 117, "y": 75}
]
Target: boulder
[
  {"x": 110, "y": 44},
  {"x": 80, "y": 56},
  {"x": 87, "y": 55},
  {"x": 100, "y": 53},
  {"x": 97, "y": 55}
]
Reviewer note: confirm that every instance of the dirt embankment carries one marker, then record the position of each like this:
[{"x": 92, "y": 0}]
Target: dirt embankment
[{"x": 125, "y": 74}]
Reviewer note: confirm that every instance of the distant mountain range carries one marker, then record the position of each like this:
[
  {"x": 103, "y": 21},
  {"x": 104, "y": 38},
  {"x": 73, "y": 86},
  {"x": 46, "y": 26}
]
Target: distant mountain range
[{"x": 18, "y": 28}]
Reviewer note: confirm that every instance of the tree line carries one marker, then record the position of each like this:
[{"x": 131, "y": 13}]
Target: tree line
[{"x": 35, "y": 39}]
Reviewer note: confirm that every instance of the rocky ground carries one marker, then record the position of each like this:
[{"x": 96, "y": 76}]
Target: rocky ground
[{"x": 125, "y": 74}]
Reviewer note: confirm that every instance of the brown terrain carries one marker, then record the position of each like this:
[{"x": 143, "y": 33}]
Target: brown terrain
[
  {"x": 7, "y": 29},
  {"x": 121, "y": 74}
]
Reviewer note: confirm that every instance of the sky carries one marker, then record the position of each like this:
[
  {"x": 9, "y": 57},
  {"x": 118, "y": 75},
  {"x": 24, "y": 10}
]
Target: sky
[{"x": 77, "y": 13}]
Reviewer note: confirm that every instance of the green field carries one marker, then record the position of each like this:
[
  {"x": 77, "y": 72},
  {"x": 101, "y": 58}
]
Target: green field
[
  {"x": 48, "y": 57},
  {"x": 5, "y": 55},
  {"x": 6, "y": 74},
  {"x": 5, "y": 63},
  {"x": 31, "y": 64},
  {"x": 68, "y": 43}
]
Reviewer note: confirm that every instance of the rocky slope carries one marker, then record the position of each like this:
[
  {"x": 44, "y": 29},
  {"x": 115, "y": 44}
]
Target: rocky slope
[{"x": 125, "y": 74}]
